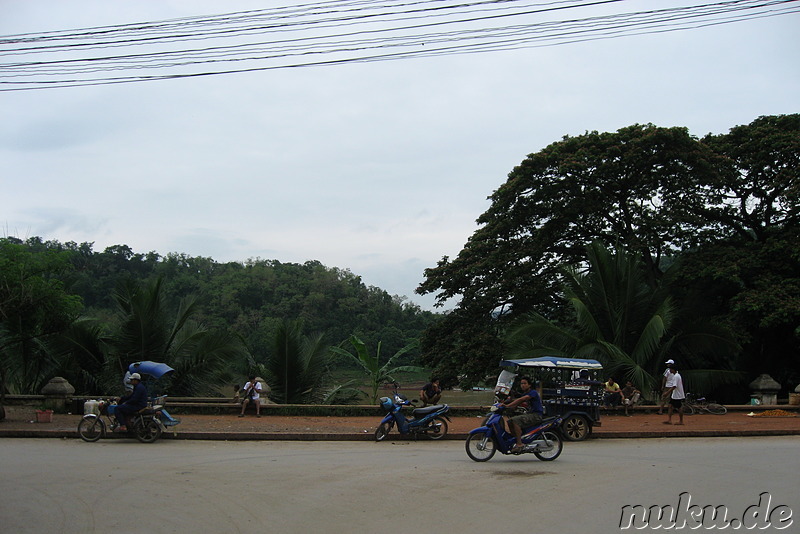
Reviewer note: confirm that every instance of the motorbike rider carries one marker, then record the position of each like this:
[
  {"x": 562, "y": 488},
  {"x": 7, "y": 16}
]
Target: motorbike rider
[
  {"x": 532, "y": 402},
  {"x": 131, "y": 403}
]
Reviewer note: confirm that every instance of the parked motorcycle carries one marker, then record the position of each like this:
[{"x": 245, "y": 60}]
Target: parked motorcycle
[
  {"x": 542, "y": 440},
  {"x": 430, "y": 420}
]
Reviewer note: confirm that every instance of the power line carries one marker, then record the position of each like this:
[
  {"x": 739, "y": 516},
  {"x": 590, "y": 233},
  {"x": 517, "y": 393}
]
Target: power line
[{"x": 336, "y": 33}]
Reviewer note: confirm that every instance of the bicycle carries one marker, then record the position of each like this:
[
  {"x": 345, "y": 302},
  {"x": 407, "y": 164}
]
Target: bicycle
[{"x": 692, "y": 405}]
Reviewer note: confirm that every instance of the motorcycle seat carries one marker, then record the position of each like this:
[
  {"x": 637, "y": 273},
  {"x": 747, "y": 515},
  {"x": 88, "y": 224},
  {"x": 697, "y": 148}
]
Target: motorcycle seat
[
  {"x": 147, "y": 411},
  {"x": 428, "y": 409}
]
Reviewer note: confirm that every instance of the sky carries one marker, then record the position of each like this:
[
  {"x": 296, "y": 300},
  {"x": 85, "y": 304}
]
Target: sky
[{"x": 378, "y": 167}]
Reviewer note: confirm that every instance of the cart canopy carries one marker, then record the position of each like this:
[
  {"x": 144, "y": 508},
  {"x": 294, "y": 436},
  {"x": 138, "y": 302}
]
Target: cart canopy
[
  {"x": 154, "y": 369},
  {"x": 553, "y": 362}
]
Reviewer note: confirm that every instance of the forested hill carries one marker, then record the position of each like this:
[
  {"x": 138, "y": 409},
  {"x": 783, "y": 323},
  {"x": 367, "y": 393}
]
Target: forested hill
[{"x": 249, "y": 298}]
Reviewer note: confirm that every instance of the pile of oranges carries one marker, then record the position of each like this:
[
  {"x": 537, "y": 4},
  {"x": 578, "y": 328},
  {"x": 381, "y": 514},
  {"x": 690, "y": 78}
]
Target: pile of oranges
[{"x": 775, "y": 413}]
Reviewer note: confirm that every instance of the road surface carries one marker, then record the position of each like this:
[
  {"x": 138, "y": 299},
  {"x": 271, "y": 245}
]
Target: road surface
[{"x": 68, "y": 486}]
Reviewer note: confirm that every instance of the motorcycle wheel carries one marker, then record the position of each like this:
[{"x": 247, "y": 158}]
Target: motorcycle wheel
[
  {"x": 382, "y": 432},
  {"x": 148, "y": 432},
  {"x": 480, "y": 447},
  {"x": 558, "y": 445},
  {"x": 91, "y": 429},
  {"x": 575, "y": 428},
  {"x": 438, "y": 428}
]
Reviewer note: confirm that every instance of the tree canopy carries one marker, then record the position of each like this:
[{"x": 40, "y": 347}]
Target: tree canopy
[
  {"x": 657, "y": 192},
  {"x": 132, "y": 305}
]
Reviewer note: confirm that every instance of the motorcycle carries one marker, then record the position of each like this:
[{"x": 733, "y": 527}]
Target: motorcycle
[
  {"x": 542, "y": 440},
  {"x": 430, "y": 420},
  {"x": 146, "y": 425}
]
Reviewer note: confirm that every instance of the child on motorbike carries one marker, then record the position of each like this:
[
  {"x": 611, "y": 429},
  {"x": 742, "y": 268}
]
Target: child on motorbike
[{"x": 532, "y": 402}]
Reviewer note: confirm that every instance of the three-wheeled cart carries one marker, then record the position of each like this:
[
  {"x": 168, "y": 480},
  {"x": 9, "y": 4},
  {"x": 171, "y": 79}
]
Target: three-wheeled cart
[{"x": 577, "y": 399}]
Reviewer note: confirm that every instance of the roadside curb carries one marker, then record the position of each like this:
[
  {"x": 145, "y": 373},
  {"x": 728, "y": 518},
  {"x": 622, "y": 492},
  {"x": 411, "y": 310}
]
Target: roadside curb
[{"x": 317, "y": 436}]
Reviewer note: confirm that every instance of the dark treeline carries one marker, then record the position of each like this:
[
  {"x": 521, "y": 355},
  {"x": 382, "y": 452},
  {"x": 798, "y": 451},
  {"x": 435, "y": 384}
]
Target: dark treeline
[{"x": 249, "y": 301}]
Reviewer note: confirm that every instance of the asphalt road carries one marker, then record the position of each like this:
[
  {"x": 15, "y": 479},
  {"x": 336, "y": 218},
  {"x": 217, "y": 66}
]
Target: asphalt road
[{"x": 68, "y": 486}]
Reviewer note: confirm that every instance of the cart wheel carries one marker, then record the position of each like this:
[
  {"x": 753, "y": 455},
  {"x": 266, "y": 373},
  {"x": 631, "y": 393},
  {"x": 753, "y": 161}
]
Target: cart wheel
[
  {"x": 575, "y": 428},
  {"x": 91, "y": 428},
  {"x": 148, "y": 432}
]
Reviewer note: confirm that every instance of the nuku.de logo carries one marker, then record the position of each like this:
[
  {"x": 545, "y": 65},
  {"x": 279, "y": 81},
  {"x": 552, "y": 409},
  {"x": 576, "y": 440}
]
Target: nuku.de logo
[{"x": 686, "y": 515}]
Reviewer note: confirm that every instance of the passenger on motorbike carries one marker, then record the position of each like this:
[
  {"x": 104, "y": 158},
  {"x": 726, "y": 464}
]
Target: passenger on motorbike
[
  {"x": 532, "y": 402},
  {"x": 131, "y": 403}
]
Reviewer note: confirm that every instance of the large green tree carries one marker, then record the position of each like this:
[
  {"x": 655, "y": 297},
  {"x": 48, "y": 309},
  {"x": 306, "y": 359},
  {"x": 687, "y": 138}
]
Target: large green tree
[
  {"x": 34, "y": 307},
  {"x": 657, "y": 192}
]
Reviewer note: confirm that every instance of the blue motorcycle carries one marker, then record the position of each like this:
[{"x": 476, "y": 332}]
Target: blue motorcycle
[
  {"x": 542, "y": 440},
  {"x": 430, "y": 421}
]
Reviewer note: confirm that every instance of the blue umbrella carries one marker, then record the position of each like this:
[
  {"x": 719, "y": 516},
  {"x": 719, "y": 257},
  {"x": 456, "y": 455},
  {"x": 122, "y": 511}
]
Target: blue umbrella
[{"x": 154, "y": 369}]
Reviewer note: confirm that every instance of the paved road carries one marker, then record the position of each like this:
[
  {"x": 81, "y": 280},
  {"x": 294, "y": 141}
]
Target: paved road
[{"x": 68, "y": 486}]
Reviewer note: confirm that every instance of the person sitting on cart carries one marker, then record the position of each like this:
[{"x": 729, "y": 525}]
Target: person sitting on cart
[
  {"x": 532, "y": 402},
  {"x": 430, "y": 392},
  {"x": 132, "y": 403}
]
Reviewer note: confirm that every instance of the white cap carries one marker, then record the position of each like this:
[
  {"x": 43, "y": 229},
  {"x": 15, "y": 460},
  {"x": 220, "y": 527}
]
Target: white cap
[
  {"x": 135, "y": 376},
  {"x": 669, "y": 362}
]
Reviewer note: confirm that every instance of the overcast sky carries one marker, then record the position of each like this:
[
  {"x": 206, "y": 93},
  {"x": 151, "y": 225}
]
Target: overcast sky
[{"x": 378, "y": 167}]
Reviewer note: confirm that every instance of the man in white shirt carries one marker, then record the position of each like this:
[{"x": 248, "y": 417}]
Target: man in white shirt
[
  {"x": 664, "y": 395},
  {"x": 674, "y": 384},
  {"x": 251, "y": 392}
]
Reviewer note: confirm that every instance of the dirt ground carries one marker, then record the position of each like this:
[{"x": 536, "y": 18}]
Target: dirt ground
[{"x": 18, "y": 417}]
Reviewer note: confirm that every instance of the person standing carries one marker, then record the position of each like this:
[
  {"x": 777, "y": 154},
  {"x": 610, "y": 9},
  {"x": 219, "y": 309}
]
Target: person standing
[
  {"x": 252, "y": 394},
  {"x": 677, "y": 395},
  {"x": 664, "y": 394}
]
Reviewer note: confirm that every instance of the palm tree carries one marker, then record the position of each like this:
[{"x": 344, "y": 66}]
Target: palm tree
[
  {"x": 144, "y": 329},
  {"x": 298, "y": 366},
  {"x": 378, "y": 374},
  {"x": 631, "y": 327}
]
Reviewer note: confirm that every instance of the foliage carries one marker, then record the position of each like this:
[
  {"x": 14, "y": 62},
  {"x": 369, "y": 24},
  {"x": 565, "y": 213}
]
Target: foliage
[
  {"x": 297, "y": 368},
  {"x": 34, "y": 306},
  {"x": 628, "y": 326},
  {"x": 247, "y": 300},
  {"x": 378, "y": 374},
  {"x": 656, "y": 192}
]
